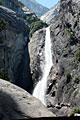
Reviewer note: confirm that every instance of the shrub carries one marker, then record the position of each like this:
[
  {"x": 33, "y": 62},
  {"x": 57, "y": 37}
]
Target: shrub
[
  {"x": 77, "y": 55},
  {"x": 0, "y": 3},
  {"x": 3, "y": 75},
  {"x": 76, "y": 78},
  {"x": 68, "y": 49},
  {"x": 72, "y": 37},
  {"x": 67, "y": 30},
  {"x": 75, "y": 110},
  {"x": 1, "y": 40},
  {"x": 2, "y": 24},
  {"x": 2, "y": 27},
  {"x": 68, "y": 76},
  {"x": 30, "y": 19},
  {"x": 36, "y": 26}
]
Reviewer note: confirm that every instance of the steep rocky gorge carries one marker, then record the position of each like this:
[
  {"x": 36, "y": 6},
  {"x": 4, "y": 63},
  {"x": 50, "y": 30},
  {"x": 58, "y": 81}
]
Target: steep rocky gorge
[
  {"x": 16, "y": 103},
  {"x": 25, "y": 67},
  {"x": 63, "y": 87},
  {"x": 14, "y": 46},
  {"x": 16, "y": 26}
]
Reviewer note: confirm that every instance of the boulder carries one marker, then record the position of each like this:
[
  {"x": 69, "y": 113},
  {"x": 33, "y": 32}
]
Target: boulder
[{"x": 16, "y": 103}]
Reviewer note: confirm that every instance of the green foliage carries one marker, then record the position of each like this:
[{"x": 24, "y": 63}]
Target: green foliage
[
  {"x": 72, "y": 37},
  {"x": 36, "y": 26},
  {"x": 76, "y": 78},
  {"x": 77, "y": 55},
  {"x": 3, "y": 75},
  {"x": 75, "y": 110},
  {"x": 67, "y": 30},
  {"x": 1, "y": 40},
  {"x": 0, "y": 3},
  {"x": 68, "y": 49},
  {"x": 2, "y": 27},
  {"x": 30, "y": 19},
  {"x": 68, "y": 76},
  {"x": 2, "y": 24}
]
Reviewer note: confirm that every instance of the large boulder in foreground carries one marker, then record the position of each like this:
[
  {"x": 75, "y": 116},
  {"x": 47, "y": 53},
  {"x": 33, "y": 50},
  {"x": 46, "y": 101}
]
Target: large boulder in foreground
[{"x": 16, "y": 103}]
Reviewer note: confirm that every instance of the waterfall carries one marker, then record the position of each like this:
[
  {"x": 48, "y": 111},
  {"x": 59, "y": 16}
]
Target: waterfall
[{"x": 40, "y": 89}]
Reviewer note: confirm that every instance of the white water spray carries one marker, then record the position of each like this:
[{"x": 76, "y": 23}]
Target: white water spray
[{"x": 40, "y": 89}]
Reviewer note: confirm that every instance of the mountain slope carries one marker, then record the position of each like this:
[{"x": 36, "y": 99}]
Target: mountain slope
[
  {"x": 48, "y": 16},
  {"x": 35, "y": 7},
  {"x": 21, "y": 10}
]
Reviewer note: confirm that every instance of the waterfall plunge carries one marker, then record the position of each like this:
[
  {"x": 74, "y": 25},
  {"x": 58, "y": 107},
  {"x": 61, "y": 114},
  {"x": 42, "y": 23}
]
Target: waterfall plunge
[{"x": 40, "y": 89}]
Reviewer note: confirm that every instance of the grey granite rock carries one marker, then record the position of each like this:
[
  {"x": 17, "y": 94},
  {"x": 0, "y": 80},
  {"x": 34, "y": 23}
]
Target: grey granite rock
[
  {"x": 63, "y": 50},
  {"x": 48, "y": 16},
  {"x": 16, "y": 103},
  {"x": 36, "y": 51},
  {"x": 14, "y": 49},
  {"x": 37, "y": 8},
  {"x": 63, "y": 92},
  {"x": 21, "y": 10}
]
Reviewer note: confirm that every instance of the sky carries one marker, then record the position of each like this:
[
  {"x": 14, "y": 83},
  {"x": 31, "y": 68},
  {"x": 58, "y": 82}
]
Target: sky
[{"x": 47, "y": 3}]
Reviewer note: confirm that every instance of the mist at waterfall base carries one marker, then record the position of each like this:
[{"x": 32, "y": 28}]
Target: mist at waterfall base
[{"x": 40, "y": 89}]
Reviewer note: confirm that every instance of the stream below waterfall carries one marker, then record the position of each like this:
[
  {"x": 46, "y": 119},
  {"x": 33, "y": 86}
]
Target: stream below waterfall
[{"x": 40, "y": 89}]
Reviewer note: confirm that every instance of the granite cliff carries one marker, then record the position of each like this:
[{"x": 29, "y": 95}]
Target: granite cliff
[
  {"x": 21, "y": 10},
  {"x": 48, "y": 16},
  {"x": 63, "y": 87},
  {"x": 25, "y": 67},
  {"x": 14, "y": 46},
  {"x": 16, "y": 103}
]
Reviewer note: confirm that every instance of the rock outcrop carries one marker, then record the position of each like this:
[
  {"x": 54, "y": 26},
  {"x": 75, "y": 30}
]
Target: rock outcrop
[
  {"x": 36, "y": 51},
  {"x": 14, "y": 49},
  {"x": 16, "y": 103},
  {"x": 21, "y": 10},
  {"x": 48, "y": 16},
  {"x": 37, "y": 8},
  {"x": 63, "y": 89}
]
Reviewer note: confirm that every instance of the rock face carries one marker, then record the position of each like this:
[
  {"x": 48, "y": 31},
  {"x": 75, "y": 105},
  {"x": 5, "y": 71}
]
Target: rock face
[
  {"x": 37, "y": 8},
  {"x": 14, "y": 5},
  {"x": 16, "y": 103},
  {"x": 64, "y": 86},
  {"x": 48, "y": 16},
  {"x": 36, "y": 51},
  {"x": 21, "y": 10},
  {"x": 14, "y": 49},
  {"x": 63, "y": 89}
]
